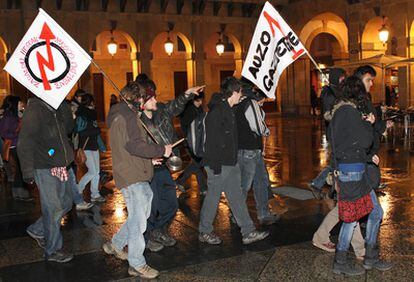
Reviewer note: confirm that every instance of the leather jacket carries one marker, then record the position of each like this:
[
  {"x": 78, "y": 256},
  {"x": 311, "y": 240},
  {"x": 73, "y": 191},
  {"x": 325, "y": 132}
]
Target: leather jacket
[{"x": 161, "y": 124}]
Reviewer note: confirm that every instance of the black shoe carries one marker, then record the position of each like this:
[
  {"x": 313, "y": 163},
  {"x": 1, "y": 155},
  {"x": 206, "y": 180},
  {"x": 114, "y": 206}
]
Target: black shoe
[
  {"x": 343, "y": 266},
  {"x": 59, "y": 257}
]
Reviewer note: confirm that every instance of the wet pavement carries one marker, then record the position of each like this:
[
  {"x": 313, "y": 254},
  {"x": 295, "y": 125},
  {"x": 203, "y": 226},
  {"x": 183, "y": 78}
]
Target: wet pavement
[{"x": 295, "y": 152}]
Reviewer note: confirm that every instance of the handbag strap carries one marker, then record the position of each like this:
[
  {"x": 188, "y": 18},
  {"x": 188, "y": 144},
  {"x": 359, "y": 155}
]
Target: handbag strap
[{"x": 86, "y": 142}]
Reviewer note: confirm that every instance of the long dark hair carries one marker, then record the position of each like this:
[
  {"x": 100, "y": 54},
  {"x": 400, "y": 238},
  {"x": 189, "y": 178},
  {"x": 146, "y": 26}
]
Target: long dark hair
[
  {"x": 353, "y": 89},
  {"x": 10, "y": 105}
]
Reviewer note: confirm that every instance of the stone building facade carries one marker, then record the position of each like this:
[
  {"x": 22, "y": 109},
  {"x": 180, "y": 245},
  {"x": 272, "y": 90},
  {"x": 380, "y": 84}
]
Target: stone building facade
[{"x": 334, "y": 31}]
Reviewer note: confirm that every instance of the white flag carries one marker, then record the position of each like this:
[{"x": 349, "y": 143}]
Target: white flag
[
  {"x": 48, "y": 61},
  {"x": 274, "y": 46}
]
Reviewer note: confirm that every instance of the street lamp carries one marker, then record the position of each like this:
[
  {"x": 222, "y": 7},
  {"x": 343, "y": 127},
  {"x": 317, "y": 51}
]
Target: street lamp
[
  {"x": 220, "y": 47},
  {"x": 383, "y": 32},
  {"x": 169, "y": 45},
  {"x": 112, "y": 46}
]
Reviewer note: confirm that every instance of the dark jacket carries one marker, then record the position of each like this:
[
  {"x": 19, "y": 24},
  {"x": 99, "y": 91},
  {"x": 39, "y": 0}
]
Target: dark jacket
[
  {"x": 131, "y": 152},
  {"x": 247, "y": 139},
  {"x": 161, "y": 124},
  {"x": 352, "y": 136},
  {"x": 188, "y": 116},
  {"x": 330, "y": 92},
  {"x": 352, "y": 139},
  {"x": 90, "y": 130},
  {"x": 221, "y": 135},
  {"x": 9, "y": 127},
  {"x": 43, "y": 141}
]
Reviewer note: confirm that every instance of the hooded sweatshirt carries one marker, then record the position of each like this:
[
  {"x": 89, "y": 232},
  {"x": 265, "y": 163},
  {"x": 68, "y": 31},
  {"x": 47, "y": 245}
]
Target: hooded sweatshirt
[
  {"x": 221, "y": 135},
  {"x": 131, "y": 152},
  {"x": 330, "y": 92}
]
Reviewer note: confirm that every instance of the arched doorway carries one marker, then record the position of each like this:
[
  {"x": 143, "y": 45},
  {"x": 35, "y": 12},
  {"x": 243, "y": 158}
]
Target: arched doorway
[
  {"x": 120, "y": 67},
  {"x": 326, "y": 38},
  {"x": 327, "y": 51},
  {"x": 216, "y": 66},
  {"x": 172, "y": 73},
  {"x": 4, "y": 78}
]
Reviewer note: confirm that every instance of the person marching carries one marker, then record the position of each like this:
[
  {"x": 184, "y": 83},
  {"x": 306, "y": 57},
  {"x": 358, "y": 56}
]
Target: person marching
[{"x": 133, "y": 169}]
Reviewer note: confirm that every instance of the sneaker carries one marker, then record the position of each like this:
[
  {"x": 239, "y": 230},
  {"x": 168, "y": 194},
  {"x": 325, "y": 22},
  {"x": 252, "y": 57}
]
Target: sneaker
[
  {"x": 163, "y": 238},
  {"x": 146, "y": 272},
  {"x": 110, "y": 249},
  {"x": 59, "y": 257},
  {"x": 83, "y": 206},
  {"x": 254, "y": 236},
  {"x": 329, "y": 247},
  {"x": 209, "y": 238},
  {"x": 40, "y": 240},
  {"x": 154, "y": 246},
  {"x": 181, "y": 188},
  {"x": 270, "y": 219},
  {"x": 99, "y": 199}
]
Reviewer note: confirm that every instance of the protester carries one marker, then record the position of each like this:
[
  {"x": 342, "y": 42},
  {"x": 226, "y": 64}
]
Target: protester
[
  {"x": 329, "y": 95},
  {"x": 91, "y": 142},
  {"x": 132, "y": 168},
  {"x": 352, "y": 137},
  {"x": 45, "y": 153},
  {"x": 158, "y": 118},
  {"x": 251, "y": 129},
  {"x": 10, "y": 124},
  {"x": 223, "y": 171},
  {"x": 193, "y": 110}
]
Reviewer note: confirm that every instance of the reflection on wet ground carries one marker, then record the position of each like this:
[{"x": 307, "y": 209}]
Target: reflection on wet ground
[{"x": 295, "y": 152}]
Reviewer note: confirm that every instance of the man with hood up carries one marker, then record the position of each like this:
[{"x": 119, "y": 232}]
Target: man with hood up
[
  {"x": 328, "y": 96},
  {"x": 221, "y": 165},
  {"x": 133, "y": 170}
]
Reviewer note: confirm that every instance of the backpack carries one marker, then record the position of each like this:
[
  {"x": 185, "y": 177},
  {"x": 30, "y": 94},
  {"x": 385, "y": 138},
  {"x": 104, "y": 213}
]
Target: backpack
[{"x": 196, "y": 135}]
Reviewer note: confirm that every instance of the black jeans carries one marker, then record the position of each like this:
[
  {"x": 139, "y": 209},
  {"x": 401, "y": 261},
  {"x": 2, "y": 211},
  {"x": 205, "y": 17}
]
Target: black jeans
[
  {"x": 164, "y": 202},
  {"x": 196, "y": 168}
]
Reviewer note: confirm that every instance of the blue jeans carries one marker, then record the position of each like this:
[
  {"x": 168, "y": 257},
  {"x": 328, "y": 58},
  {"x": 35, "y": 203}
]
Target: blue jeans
[
  {"x": 253, "y": 172},
  {"x": 138, "y": 199},
  {"x": 55, "y": 201},
  {"x": 320, "y": 180},
  {"x": 164, "y": 202},
  {"x": 373, "y": 224},
  {"x": 92, "y": 163},
  {"x": 76, "y": 196}
]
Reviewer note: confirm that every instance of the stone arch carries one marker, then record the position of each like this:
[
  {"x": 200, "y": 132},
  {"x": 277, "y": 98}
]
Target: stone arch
[
  {"x": 172, "y": 73},
  {"x": 125, "y": 60},
  {"x": 325, "y": 23}
]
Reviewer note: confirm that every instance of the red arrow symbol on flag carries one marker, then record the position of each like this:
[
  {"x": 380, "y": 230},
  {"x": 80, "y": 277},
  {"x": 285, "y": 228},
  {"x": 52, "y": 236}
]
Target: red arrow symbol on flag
[
  {"x": 271, "y": 21},
  {"x": 47, "y": 35}
]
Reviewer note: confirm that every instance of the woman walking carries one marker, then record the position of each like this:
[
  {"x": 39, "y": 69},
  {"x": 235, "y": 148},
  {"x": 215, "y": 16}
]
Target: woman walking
[
  {"x": 91, "y": 142},
  {"x": 351, "y": 133},
  {"x": 9, "y": 132}
]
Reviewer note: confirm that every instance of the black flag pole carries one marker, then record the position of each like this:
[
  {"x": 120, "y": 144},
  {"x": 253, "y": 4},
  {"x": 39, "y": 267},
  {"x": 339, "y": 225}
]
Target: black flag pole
[{"x": 123, "y": 98}]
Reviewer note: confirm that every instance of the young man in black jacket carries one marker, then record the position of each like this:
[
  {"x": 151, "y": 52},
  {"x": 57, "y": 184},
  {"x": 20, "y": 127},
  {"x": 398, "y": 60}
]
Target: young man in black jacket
[
  {"x": 45, "y": 153},
  {"x": 223, "y": 171},
  {"x": 193, "y": 110}
]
